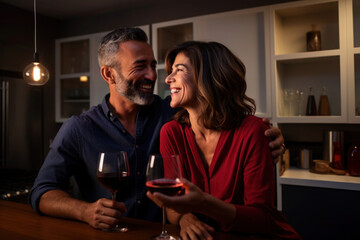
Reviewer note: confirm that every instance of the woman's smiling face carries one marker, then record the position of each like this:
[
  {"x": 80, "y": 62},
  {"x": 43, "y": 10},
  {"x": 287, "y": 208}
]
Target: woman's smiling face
[{"x": 182, "y": 83}]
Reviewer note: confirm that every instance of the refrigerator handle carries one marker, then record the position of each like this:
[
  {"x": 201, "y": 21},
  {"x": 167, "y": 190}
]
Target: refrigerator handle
[{"x": 4, "y": 120}]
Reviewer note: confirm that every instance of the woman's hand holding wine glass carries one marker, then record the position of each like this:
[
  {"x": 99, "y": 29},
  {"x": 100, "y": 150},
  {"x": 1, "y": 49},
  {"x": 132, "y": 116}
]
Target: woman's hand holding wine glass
[
  {"x": 163, "y": 175},
  {"x": 192, "y": 201},
  {"x": 113, "y": 170}
]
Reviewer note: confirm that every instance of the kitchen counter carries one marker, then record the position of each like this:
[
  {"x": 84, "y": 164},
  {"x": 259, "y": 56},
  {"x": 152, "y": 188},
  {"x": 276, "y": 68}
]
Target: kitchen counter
[
  {"x": 19, "y": 221},
  {"x": 303, "y": 177}
]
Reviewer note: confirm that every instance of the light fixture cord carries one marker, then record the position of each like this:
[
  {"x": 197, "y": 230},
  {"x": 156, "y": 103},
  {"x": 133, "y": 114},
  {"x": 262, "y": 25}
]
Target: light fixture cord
[{"x": 35, "y": 25}]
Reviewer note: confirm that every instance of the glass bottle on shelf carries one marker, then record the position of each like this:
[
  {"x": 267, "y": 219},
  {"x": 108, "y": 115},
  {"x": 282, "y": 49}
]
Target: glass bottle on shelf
[
  {"x": 354, "y": 159},
  {"x": 313, "y": 39},
  {"x": 324, "y": 107},
  {"x": 311, "y": 105},
  {"x": 302, "y": 100},
  {"x": 293, "y": 102},
  {"x": 286, "y": 102},
  {"x": 338, "y": 151}
]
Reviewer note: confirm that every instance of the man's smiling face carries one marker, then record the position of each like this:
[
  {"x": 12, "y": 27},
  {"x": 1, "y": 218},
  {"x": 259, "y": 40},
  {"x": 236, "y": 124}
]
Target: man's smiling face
[{"x": 136, "y": 72}]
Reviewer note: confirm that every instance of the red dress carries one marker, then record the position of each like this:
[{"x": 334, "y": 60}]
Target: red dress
[{"x": 241, "y": 172}]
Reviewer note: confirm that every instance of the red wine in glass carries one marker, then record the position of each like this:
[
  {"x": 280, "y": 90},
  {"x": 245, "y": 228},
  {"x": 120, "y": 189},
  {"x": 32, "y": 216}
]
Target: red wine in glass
[
  {"x": 112, "y": 181},
  {"x": 113, "y": 170},
  {"x": 165, "y": 186}
]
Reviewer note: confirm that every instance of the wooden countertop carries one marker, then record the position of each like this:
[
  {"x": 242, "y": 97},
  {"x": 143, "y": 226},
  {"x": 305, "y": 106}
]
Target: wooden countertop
[{"x": 19, "y": 221}]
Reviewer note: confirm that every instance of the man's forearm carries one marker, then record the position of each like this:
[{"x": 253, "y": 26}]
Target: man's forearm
[{"x": 58, "y": 203}]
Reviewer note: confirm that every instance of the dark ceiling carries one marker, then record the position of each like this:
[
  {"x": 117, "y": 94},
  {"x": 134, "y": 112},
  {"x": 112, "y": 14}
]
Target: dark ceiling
[
  {"x": 72, "y": 9},
  {"x": 68, "y": 9}
]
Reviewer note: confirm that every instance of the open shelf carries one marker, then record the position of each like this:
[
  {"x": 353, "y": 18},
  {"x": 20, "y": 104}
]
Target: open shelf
[
  {"x": 302, "y": 73},
  {"x": 292, "y": 24}
]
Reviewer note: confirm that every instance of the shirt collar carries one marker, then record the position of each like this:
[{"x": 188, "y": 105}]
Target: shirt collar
[
  {"x": 106, "y": 109},
  {"x": 109, "y": 114},
  {"x": 104, "y": 105}
]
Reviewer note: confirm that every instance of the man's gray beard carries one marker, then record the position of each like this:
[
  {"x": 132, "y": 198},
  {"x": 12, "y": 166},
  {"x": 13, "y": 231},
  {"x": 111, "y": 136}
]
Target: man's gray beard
[
  {"x": 138, "y": 97},
  {"x": 131, "y": 93}
]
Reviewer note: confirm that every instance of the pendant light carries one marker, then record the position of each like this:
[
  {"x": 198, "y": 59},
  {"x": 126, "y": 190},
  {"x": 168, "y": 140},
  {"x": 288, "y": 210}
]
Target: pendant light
[{"x": 35, "y": 73}]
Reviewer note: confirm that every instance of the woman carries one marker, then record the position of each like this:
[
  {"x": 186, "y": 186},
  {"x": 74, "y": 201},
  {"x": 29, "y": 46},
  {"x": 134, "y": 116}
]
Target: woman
[{"x": 223, "y": 150}]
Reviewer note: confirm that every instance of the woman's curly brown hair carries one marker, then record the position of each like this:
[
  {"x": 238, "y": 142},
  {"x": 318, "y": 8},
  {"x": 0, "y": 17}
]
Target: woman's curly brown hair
[{"x": 220, "y": 77}]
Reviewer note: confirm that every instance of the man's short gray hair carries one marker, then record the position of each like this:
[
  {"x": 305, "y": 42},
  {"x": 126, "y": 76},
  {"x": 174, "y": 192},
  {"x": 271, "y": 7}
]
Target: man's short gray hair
[{"x": 109, "y": 45}]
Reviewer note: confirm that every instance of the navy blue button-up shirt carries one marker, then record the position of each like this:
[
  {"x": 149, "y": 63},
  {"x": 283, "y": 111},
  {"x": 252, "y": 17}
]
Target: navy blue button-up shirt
[{"x": 76, "y": 147}]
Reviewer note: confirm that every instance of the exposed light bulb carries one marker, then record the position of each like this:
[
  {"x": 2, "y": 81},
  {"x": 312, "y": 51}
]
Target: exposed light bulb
[{"x": 36, "y": 74}]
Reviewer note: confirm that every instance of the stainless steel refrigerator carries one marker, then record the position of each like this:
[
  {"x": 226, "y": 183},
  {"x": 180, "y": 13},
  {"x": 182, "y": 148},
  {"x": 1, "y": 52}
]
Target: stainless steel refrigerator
[{"x": 21, "y": 123}]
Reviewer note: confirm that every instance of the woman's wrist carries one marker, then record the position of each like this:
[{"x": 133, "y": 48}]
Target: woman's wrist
[
  {"x": 204, "y": 203},
  {"x": 180, "y": 218},
  {"x": 173, "y": 216},
  {"x": 183, "y": 217},
  {"x": 223, "y": 212}
]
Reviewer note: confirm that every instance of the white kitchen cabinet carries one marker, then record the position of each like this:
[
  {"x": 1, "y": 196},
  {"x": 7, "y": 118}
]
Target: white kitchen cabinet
[
  {"x": 244, "y": 32},
  {"x": 353, "y": 29},
  {"x": 72, "y": 95},
  {"x": 76, "y": 57},
  {"x": 295, "y": 69},
  {"x": 336, "y": 66}
]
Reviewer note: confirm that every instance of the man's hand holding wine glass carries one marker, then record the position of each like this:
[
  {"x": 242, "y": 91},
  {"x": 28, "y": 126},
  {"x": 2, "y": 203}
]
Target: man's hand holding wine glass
[{"x": 104, "y": 213}]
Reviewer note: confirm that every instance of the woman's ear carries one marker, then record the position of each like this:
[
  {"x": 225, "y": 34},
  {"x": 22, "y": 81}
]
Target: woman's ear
[{"x": 108, "y": 74}]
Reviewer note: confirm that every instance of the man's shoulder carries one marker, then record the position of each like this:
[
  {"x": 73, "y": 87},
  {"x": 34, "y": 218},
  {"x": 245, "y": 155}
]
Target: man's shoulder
[
  {"x": 161, "y": 106},
  {"x": 163, "y": 102},
  {"x": 94, "y": 114}
]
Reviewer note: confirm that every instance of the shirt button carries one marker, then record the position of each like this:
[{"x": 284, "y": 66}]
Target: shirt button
[
  {"x": 138, "y": 202},
  {"x": 137, "y": 146},
  {"x": 138, "y": 173}
]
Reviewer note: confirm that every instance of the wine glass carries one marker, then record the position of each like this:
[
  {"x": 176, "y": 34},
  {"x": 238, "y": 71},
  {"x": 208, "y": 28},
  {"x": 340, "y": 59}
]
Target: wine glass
[
  {"x": 113, "y": 170},
  {"x": 163, "y": 175}
]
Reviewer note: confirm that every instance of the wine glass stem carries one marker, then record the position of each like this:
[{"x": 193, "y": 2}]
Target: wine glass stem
[
  {"x": 113, "y": 197},
  {"x": 163, "y": 232}
]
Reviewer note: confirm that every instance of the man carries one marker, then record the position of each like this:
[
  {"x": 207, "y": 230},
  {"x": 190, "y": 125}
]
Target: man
[{"x": 129, "y": 119}]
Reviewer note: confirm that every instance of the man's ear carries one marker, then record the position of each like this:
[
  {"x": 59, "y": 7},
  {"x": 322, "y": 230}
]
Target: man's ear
[{"x": 108, "y": 74}]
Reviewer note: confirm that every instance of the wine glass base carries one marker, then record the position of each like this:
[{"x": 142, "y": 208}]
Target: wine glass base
[
  {"x": 122, "y": 229},
  {"x": 166, "y": 237},
  {"x": 116, "y": 229}
]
